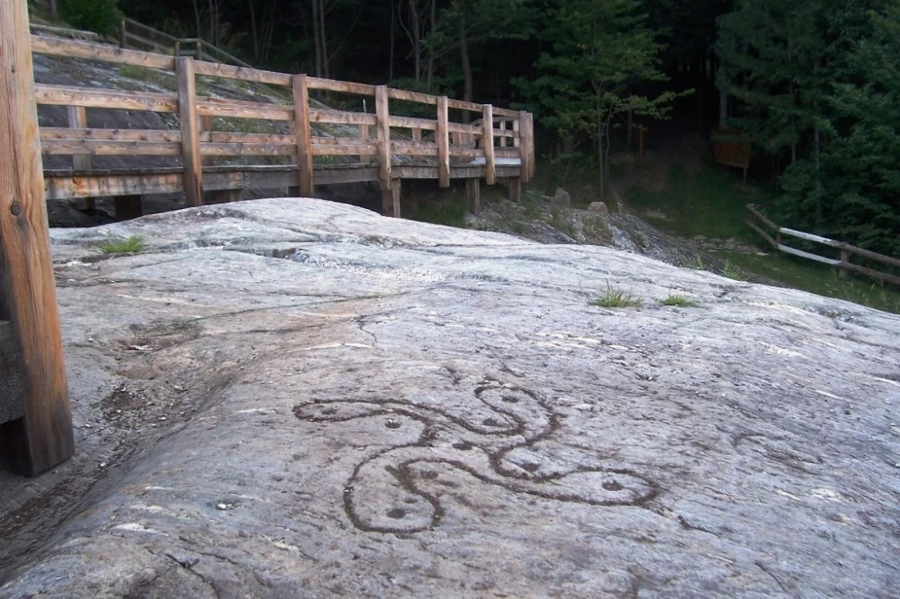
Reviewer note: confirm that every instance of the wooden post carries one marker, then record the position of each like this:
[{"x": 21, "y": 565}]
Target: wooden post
[
  {"x": 845, "y": 259},
  {"x": 123, "y": 39},
  {"x": 417, "y": 137},
  {"x": 521, "y": 142},
  {"x": 503, "y": 137},
  {"x": 473, "y": 194},
  {"x": 190, "y": 130},
  {"x": 490, "y": 169},
  {"x": 395, "y": 199},
  {"x": 42, "y": 437},
  {"x": 515, "y": 189},
  {"x": 530, "y": 138},
  {"x": 80, "y": 162},
  {"x": 306, "y": 174},
  {"x": 383, "y": 131},
  {"x": 364, "y": 137},
  {"x": 443, "y": 141}
]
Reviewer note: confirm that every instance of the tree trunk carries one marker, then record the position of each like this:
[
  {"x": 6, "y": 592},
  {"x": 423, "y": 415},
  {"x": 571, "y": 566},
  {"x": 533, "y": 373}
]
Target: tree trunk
[
  {"x": 432, "y": 23},
  {"x": 253, "y": 31},
  {"x": 416, "y": 38},
  {"x": 464, "y": 53}
]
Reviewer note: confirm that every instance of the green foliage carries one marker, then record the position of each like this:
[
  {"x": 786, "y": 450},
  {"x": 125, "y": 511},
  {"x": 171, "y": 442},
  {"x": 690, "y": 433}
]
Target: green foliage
[
  {"x": 679, "y": 301},
  {"x": 614, "y": 298},
  {"x": 451, "y": 214},
  {"x": 132, "y": 245},
  {"x": 100, "y": 16},
  {"x": 732, "y": 271}
]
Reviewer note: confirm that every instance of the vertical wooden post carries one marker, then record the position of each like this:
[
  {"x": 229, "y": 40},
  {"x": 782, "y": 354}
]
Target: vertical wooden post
[
  {"x": 43, "y": 437},
  {"x": 530, "y": 138},
  {"x": 383, "y": 131},
  {"x": 395, "y": 199},
  {"x": 502, "y": 137},
  {"x": 490, "y": 168},
  {"x": 473, "y": 194},
  {"x": 521, "y": 142},
  {"x": 54, "y": 10},
  {"x": 306, "y": 175},
  {"x": 417, "y": 137},
  {"x": 364, "y": 137},
  {"x": 845, "y": 259},
  {"x": 123, "y": 39},
  {"x": 515, "y": 189},
  {"x": 190, "y": 130},
  {"x": 80, "y": 162},
  {"x": 443, "y": 141}
]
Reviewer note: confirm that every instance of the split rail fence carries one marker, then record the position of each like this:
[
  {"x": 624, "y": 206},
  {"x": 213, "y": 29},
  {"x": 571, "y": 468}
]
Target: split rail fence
[{"x": 773, "y": 235}]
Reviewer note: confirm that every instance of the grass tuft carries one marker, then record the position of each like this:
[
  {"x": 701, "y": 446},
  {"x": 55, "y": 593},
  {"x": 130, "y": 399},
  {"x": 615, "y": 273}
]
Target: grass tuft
[
  {"x": 132, "y": 245},
  {"x": 614, "y": 298},
  {"x": 732, "y": 271},
  {"x": 681, "y": 301}
]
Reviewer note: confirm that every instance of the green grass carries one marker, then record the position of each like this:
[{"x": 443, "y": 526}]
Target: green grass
[
  {"x": 132, "y": 245},
  {"x": 614, "y": 298},
  {"x": 679, "y": 301},
  {"x": 732, "y": 271}
]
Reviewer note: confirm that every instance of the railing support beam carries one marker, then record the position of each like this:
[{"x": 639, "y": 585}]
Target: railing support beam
[
  {"x": 300, "y": 86},
  {"x": 190, "y": 130}
]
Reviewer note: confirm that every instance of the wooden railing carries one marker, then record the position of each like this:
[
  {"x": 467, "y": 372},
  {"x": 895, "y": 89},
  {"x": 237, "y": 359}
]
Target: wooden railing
[
  {"x": 501, "y": 136},
  {"x": 773, "y": 235},
  {"x": 137, "y": 36}
]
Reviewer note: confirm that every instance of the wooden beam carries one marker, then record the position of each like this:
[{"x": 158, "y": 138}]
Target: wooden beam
[
  {"x": 490, "y": 167},
  {"x": 62, "y": 95},
  {"x": 244, "y": 110},
  {"x": 43, "y": 437},
  {"x": 212, "y": 69},
  {"x": 395, "y": 199},
  {"x": 515, "y": 189},
  {"x": 521, "y": 142},
  {"x": 102, "y": 147},
  {"x": 344, "y": 87},
  {"x": 341, "y": 117},
  {"x": 190, "y": 130},
  {"x": 364, "y": 138},
  {"x": 12, "y": 391},
  {"x": 77, "y": 120},
  {"x": 443, "y": 142},
  {"x": 103, "y": 52},
  {"x": 473, "y": 194},
  {"x": 306, "y": 183},
  {"x": 383, "y": 132}
]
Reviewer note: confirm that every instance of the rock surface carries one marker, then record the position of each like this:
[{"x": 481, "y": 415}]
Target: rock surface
[{"x": 296, "y": 398}]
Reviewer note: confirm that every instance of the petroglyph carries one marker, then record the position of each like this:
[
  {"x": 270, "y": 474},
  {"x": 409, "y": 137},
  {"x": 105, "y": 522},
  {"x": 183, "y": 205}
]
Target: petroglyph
[{"x": 496, "y": 441}]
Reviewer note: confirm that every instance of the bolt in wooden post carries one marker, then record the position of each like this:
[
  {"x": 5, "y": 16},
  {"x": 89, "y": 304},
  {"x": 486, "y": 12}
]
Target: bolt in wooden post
[
  {"x": 490, "y": 169},
  {"x": 443, "y": 141},
  {"x": 190, "y": 130},
  {"x": 305, "y": 172},
  {"x": 42, "y": 438}
]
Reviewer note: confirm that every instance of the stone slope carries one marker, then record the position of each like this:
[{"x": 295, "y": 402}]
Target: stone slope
[{"x": 296, "y": 398}]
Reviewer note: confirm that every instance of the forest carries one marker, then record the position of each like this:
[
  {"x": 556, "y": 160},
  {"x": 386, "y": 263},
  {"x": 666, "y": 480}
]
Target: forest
[{"x": 812, "y": 85}]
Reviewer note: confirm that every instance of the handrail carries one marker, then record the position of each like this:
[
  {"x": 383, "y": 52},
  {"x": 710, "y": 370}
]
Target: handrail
[{"x": 843, "y": 264}]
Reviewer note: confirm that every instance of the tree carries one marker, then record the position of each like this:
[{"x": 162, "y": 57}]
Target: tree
[{"x": 597, "y": 53}]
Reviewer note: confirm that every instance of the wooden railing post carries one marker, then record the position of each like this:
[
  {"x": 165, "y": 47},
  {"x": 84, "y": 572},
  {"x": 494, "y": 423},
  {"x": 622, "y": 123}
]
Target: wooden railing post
[
  {"x": 305, "y": 173},
  {"x": 522, "y": 142},
  {"x": 845, "y": 259},
  {"x": 364, "y": 137},
  {"x": 490, "y": 169},
  {"x": 123, "y": 38},
  {"x": 190, "y": 130},
  {"x": 383, "y": 131},
  {"x": 42, "y": 437},
  {"x": 443, "y": 141}
]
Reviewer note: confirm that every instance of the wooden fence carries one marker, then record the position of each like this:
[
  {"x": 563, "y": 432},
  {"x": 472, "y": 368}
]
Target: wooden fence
[
  {"x": 137, "y": 36},
  {"x": 499, "y": 138},
  {"x": 773, "y": 234},
  {"x": 35, "y": 416}
]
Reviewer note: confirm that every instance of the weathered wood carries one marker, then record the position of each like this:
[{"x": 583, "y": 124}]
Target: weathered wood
[
  {"x": 43, "y": 437},
  {"x": 521, "y": 142},
  {"x": 794, "y": 251},
  {"x": 243, "y": 110},
  {"x": 212, "y": 69},
  {"x": 77, "y": 120},
  {"x": 339, "y": 117},
  {"x": 760, "y": 216},
  {"x": 881, "y": 276},
  {"x": 128, "y": 207},
  {"x": 810, "y": 237},
  {"x": 344, "y": 150},
  {"x": 190, "y": 130},
  {"x": 383, "y": 132},
  {"x": 845, "y": 259},
  {"x": 345, "y": 87},
  {"x": 473, "y": 195},
  {"x": 762, "y": 233},
  {"x": 102, "y": 147},
  {"x": 515, "y": 189},
  {"x": 152, "y": 135},
  {"x": 301, "y": 126},
  {"x": 490, "y": 167},
  {"x": 66, "y": 186},
  {"x": 402, "y": 94},
  {"x": 443, "y": 142},
  {"x": 12, "y": 390},
  {"x": 62, "y": 95},
  {"x": 105, "y": 53},
  {"x": 530, "y": 165},
  {"x": 364, "y": 137},
  {"x": 395, "y": 198},
  {"x": 127, "y": 36},
  {"x": 872, "y": 255},
  {"x": 246, "y": 149},
  {"x": 138, "y": 25},
  {"x": 415, "y": 148}
]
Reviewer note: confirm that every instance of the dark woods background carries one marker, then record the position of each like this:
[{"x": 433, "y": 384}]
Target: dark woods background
[{"x": 812, "y": 84}]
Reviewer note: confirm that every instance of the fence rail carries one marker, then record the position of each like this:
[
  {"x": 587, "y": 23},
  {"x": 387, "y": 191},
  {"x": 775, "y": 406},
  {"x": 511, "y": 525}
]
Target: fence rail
[
  {"x": 498, "y": 136},
  {"x": 773, "y": 235}
]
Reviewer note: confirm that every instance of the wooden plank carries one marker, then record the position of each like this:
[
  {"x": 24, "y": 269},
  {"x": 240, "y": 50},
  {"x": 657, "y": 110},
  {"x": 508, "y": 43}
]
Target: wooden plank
[
  {"x": 63, "y": 187},
  {"x": 364, "y": 137},
  {"x": 43, "y": 437},
  {"x": 152, "y": 135},
  {"x": 243, "y": 110},
  {"x": 345, "y": 87},
  {"x": 465, "y": 129},
  {"x": 212, "y": 69},
  {"x": 395, "y": 199},
  {"x": 882, "y": 276},
  {"x": 810, "y": 237},
  {"x": 138, "y": 25},
  {"x": 189, "y": 123},
  {"x": 515, "y": 189},
  {"x": 339, "y": 117},
  {"x": 102, "y": 147},
  {"x": 764, "y": 235},
  {"x": 61, "y": 95},
  {"x": 247, "y": 138},
  {"x": 246, "y": 149},
  {"x": 408, "y": 96},
  {"x": 102, "y": 52},
  {"x": 77, "y": 120},
  {"x": 809, "y": 256},
  {"x": 416, "y": 148},
  {"x": 473, "y": 194},
  {"x": 871, "y": 255},
  {"x": 413, "y": 123},
  {"x": 490, "y": 167},
  {"x": 12, "y": 391},
  {"x": 155, "y": 46},
  {"x": 760, "y": 216},
  {"x": 383, "y": 133},
  {"x": 521, "y": 142},
  {"x": 461, "y": 105},
  {"x": 352, "y": 149},
  {"x": 306, "y": 182},
  {"x": 443, "y": 142}
]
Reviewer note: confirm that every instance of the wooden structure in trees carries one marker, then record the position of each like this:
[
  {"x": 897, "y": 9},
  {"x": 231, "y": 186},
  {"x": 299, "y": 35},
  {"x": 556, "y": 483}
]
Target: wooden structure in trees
[
  {"x": 35, "y": 416},
  {"x": 732, "y": 149},
  {"x": 386, "y": 147},
  {"x": 773, "y": 234}
]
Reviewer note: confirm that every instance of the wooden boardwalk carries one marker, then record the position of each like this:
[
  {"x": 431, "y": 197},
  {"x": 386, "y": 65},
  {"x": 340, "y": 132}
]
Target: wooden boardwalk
[{"x": 312, "y": 145}]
